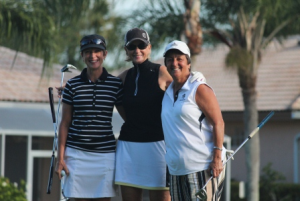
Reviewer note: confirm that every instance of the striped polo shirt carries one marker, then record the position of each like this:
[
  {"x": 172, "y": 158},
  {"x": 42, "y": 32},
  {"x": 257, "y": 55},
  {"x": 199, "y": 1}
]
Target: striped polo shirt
[{"x": 93, "y": 104}]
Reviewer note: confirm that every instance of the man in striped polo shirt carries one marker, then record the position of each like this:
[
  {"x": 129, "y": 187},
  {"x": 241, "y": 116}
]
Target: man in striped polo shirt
[{"x": 86, "y": 145}]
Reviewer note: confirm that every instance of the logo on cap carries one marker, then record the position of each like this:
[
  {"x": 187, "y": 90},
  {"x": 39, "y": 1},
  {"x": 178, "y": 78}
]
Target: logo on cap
[{"x": 174, "y": 44}]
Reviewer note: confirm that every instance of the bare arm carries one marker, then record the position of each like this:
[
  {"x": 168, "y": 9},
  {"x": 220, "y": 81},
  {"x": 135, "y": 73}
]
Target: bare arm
[
  {"x": 120, "y": 108},
  {"x": 121, "y": 111},
  {"x": 207, "y": 102},
  {"x": 62, "y": 139},
  {"x": 122, "y": 76},
  {"x": 164, "y": 78}
]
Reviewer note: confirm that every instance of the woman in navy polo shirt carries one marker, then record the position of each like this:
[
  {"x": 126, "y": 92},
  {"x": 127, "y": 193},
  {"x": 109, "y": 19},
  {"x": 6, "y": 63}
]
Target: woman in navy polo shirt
[{"x": 86, "y": 144}]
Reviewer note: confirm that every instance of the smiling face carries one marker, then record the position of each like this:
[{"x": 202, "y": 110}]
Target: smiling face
[
  {"x": 93, "y": 58},
  {"x": 177, "y": 65},
  {"x": 138, "y": 55}
]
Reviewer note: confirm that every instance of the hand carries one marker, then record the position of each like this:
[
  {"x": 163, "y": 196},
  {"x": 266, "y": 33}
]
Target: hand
[
  {"x": 59, "y": 91},
  {"x": 59, "y": 167},
  {"x": 197, "y": 76},
  {"x": 216, "y": 167}
]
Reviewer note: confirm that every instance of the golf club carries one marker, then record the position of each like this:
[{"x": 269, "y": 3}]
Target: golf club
[
  {"x": 66, "y": 68},
  {"x": 202, "y": 194},
  {"x": 55, "y": 123},
  {"x": 50, "y": 178}
]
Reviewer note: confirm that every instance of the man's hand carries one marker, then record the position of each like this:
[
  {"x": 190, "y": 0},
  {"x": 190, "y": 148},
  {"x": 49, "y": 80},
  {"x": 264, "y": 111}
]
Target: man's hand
[
  {"x": 59, "y": 91},
  {"x": 197, "y": 76}
]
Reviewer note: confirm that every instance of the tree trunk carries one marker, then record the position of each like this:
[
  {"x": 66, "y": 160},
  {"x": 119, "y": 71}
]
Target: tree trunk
[
  {"x": 247, "y": 83},
  {"x": 192, "y": 26}
]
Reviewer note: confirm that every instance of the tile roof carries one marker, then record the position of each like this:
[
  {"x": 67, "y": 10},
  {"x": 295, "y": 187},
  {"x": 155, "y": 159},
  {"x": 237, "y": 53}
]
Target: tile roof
[
  {"x": 23, "y": 82},
  {"x": 278, "y": 82}
]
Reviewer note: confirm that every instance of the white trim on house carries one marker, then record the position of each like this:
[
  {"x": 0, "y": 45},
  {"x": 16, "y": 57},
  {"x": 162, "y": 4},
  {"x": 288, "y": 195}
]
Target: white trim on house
[
  {"x": 227, "y": 140},
  {"x": 296, "y": 158},
  {"x": 2, "y": 154},
  {"x": 295, "y": 115},
  {"x": 30, "y": 156}
]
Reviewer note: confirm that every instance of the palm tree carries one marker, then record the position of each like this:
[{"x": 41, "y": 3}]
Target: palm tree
[
  {"x": 192, "y": 27},
  {"x": 52, "y": 29},
  {"x": 246, "y": 27},
  {"x": 248, "y": 36},
  {"x": 167, "y": 20}
]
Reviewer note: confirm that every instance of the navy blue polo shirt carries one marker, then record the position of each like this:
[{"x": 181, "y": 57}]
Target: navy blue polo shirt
[{"x": 93, "y": 104}]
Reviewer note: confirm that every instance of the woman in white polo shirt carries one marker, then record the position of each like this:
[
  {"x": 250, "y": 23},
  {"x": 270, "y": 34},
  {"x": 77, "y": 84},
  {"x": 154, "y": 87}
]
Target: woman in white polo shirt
[{"x": 193, "y": 128}]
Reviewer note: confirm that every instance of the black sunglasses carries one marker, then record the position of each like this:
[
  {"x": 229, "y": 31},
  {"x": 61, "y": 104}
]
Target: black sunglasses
[
  {"x": 141, "y": 46},
  {"x": 92, "y": 41}
]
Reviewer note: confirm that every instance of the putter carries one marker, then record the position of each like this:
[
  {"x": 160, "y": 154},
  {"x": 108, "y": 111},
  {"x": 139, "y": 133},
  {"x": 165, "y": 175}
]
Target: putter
[
  {"x": 55, "y": 124},
  {"x": 202, "y": 194}
]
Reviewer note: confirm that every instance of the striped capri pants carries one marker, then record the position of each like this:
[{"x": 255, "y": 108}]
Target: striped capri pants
[{"x": 184, "y": 187}]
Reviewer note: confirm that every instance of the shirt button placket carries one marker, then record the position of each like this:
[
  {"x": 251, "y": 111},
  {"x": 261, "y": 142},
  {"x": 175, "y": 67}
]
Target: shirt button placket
[{"x": 94, "y": 96}]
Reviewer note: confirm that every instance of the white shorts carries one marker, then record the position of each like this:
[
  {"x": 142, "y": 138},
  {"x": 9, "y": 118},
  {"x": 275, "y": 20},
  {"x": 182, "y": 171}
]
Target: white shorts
[
  {"x": 141, "y": 165},
  {"x": 91, "y": 174}
]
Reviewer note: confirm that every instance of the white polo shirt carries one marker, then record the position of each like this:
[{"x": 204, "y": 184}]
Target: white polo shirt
[{"x": 188, "y": 149}]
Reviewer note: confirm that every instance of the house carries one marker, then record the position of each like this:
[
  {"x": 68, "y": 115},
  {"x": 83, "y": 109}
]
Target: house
[{"x": 26, "y": 130}]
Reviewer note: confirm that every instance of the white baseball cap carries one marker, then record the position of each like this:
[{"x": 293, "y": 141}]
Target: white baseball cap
[{"x": 178, "y": 45}]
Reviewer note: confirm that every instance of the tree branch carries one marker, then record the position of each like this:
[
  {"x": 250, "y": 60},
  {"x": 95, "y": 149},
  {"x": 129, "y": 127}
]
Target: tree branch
[
  {"x": 221, "y": 37},
  {"x": 276, "y": 30}
]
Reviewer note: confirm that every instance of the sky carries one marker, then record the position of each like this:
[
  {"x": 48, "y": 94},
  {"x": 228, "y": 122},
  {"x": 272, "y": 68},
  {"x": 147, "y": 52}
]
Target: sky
[{"x": 125, "y": 5}]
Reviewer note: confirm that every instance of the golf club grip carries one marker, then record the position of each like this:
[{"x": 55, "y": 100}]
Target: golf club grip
[
  {"x": 50, "y": 178},
  {"x": 51, "y": 100},
  {"x": 261, "y": 124}
]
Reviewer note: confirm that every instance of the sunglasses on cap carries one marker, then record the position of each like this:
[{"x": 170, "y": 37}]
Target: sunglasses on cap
[
  {"x": 141, "y": 46},
  {"x": 95, "y": 41}
]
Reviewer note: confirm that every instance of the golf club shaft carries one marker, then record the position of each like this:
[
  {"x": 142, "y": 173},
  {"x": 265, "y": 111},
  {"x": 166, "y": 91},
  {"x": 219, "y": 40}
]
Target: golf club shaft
[
  {"x": 57, "y": 114},
  {"x": 50, "y": 178},
  {"x": 248, "y": 138},
  {"x": 251, "y": 134}
]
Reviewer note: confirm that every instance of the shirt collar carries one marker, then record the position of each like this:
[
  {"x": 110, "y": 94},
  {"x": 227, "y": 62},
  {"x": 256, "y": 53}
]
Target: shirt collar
[
  {"x": 143, "y": 66},
  {"x": 185, "y": 87},
  {"x": 102, "y": 77}
]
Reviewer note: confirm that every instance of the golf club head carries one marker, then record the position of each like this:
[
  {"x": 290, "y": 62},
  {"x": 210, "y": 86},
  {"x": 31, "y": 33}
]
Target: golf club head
[
  {"x": 67, "y": 67},
  {"x": 201, "y": 194}
]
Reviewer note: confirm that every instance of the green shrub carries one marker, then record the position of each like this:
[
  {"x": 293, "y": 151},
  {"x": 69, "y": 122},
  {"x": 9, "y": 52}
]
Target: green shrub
[
  {"x": 10, "y": 191},
  {"x": 234, "y": 191},
  {"x": 271, "y": 187}
]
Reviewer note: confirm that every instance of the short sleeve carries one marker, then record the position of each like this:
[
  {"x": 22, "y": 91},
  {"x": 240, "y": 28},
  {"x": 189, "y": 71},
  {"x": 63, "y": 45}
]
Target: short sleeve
[
  {"x": 119, "y": 94},
  {"x": 68, "y": 94}
]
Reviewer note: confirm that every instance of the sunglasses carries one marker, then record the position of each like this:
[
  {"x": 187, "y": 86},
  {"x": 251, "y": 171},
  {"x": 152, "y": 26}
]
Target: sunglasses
[
  {"x": 141, "y": 46},
  {"x": 92, "y": 41}
]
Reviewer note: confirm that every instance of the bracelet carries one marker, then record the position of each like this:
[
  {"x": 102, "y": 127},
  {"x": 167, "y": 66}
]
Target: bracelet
[{"x": 218, "y": 148}]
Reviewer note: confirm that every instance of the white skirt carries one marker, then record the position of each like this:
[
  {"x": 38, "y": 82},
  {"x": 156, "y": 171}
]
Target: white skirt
[
  {"x": 141, "y": 165},
  {"x": 91, "y": 174}
]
